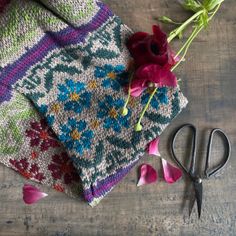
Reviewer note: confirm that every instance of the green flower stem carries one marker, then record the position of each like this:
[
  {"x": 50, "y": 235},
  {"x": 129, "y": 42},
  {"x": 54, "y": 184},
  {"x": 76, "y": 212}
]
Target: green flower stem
[
  {"x": 216, "y": 10},
  {"x": 124, "y": 110},
  {"x": 190, "y": 40},
  {"x": 193, "y": 33},
  {"x": 186, "y": 43},
  {"x": 185, "y": 47},
  {"x": 177, "y": 31},
  {"x": 138, "y": 125}
]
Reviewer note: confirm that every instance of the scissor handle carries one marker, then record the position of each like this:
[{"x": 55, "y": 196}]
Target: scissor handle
[
  {"x": 210, "y": 172},
  {"x": 193, "y": 153}
]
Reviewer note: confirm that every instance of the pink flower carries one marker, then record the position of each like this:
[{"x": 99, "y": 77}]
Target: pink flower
[
  {"x": 41, "y": 135},
  {"x": 62, "y": 168},
  {"x": 154, "y": 75},
  {"x": 151, "y": 49}
]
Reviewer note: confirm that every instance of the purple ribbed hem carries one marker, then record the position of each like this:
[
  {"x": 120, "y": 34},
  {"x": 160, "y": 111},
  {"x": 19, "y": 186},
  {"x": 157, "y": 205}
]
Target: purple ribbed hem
[
  {"x": 106, "y": 185},
  {"x": 69, "y": 36}
]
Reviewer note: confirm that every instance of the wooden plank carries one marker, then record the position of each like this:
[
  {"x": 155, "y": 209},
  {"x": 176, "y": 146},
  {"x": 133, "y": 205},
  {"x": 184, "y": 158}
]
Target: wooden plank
[{"x": 209, "y": 82}]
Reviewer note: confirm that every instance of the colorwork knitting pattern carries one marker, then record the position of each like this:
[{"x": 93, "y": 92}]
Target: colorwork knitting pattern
[{"x": 73, "y": 65}]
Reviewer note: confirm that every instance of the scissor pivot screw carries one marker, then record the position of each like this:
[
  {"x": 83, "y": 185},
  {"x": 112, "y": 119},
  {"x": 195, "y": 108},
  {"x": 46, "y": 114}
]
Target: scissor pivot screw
[{"x": 199, "y": 180}]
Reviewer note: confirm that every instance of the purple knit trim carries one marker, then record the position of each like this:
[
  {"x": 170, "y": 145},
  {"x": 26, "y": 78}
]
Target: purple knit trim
[
  {"x": 12, "y": 73},
  {"x": 106, "y": 185}
]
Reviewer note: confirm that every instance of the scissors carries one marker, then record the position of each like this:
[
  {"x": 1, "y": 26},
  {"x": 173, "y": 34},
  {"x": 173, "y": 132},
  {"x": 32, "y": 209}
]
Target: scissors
[{"x": 196, "y": 177}]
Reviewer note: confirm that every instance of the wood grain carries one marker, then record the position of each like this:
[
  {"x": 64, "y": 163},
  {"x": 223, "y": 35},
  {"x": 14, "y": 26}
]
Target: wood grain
[{"x": 209, "y": 82}]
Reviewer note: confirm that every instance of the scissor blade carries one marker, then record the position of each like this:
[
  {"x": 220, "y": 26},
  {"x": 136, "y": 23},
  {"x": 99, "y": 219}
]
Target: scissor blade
[
  {"x": 198, "y": 197},
  {"x": 191, "y": 205}
]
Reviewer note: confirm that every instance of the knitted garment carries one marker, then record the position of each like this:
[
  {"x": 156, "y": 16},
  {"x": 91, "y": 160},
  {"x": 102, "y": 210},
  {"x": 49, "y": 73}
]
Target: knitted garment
[
  {"x": 70, "y": 60},
  {"x": 30, "y": 147}
]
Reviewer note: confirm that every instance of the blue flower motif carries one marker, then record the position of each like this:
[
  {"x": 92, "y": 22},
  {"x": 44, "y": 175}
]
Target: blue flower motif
[
  {"x": 109, "y": 111},
  {"x": 113, "y": 76},
  {"x": 43, "y": 109},
  {"x": 74, "y": 95},
  {"x": 75, "y": 136},
  {"x": 159, "y": 98}
]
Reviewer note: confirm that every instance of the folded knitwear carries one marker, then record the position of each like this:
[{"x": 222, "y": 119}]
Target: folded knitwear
[{"x": 63, "y": 70}]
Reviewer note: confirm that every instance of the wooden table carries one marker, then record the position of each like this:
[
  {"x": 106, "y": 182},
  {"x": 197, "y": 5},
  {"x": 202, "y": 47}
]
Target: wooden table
[{"x": 209, "y": 81}]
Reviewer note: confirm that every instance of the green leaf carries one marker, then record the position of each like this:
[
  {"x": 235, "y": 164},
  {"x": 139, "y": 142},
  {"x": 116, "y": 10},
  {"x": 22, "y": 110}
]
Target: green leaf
[
  {"x": 203, "y": 20},
  {"x": 167, "y": 20},
  {"x": 180, "y": 35},
  {"x": 209, "y": 5},
  {"x": 192, "y": 5}
]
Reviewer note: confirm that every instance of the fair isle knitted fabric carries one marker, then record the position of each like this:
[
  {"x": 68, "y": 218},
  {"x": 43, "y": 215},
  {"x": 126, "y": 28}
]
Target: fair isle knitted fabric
[
  {"x": 29, "y": 147},
  {"x": 69, "y": 58}
]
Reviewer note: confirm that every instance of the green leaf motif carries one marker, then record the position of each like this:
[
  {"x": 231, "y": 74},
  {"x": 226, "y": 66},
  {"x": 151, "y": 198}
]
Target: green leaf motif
[
  {"x": 10, "y": 133},
  {"x": 158, "y": 118},
  {"x": 108, "y": 36},
  {"x": 118, "y": 142},
  {"x": 90, "y": 163}
]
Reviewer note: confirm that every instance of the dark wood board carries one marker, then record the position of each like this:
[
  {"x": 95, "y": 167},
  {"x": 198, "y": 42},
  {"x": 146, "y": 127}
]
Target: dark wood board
[{"x": 209, "y": 82}]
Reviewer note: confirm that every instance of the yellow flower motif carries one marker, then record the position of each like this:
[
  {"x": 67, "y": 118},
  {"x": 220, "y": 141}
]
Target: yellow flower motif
[
  {"x": 111, "y": 75},
  {"x": 92, "y": 84},
  {"x": 74, "y": 96},
  {"x": 75, "y": 135},
  {"x": 95, "y": 124},
  {"x": 113, "y": 113},
  {"x": 56, "y": 108}
]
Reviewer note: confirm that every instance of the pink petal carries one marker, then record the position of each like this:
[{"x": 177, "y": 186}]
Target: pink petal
[
  {"x": 148, "y": 175},
  {"x": 171, "y": 173},
  {"x": 159, "y": 34},
  {"x": 32, "y": 194},
  {"x": 136, "y": 91},
  {"x": 168, "y": 80},
  {"x": 156, "y": 74},
  {"x": 153, "y": 147},
  {"x": 136, "y": 38}
]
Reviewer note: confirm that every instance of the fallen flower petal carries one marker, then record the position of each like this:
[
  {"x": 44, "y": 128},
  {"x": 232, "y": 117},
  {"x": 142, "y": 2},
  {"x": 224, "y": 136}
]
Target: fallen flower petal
[
  {"x": 148, "y": 175},
  {"x": 171, "y": 173},
  {"x": 32, "y": 194},
  {"x": 153, "y": 147}
]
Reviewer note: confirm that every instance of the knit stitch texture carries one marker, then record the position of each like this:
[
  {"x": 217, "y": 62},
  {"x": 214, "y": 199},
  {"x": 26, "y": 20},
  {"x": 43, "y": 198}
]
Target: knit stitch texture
[{"x": 70, "y": 60}]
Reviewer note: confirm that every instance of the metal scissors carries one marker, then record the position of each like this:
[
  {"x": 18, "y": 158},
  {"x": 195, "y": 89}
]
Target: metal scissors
[{"x": 195, "y": 177}]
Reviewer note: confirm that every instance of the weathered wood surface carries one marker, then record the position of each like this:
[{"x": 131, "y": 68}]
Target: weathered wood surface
[{"x": 209, "y": 82}]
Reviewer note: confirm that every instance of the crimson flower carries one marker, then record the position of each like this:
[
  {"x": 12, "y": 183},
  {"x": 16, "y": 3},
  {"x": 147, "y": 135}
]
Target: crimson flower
[
  {"x": 154, "y": 49},
  {"x": 41, "y": 135},
  {"x": 3, "y": 4},
  {"x": 28, "y": 170},
  {"x": 62, "y": 168},
  {"x": 151, "y": 75}
]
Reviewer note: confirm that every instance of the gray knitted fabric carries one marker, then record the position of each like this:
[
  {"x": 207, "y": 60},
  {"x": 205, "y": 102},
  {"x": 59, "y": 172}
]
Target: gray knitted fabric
[{"x": 70, "y": 60}]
